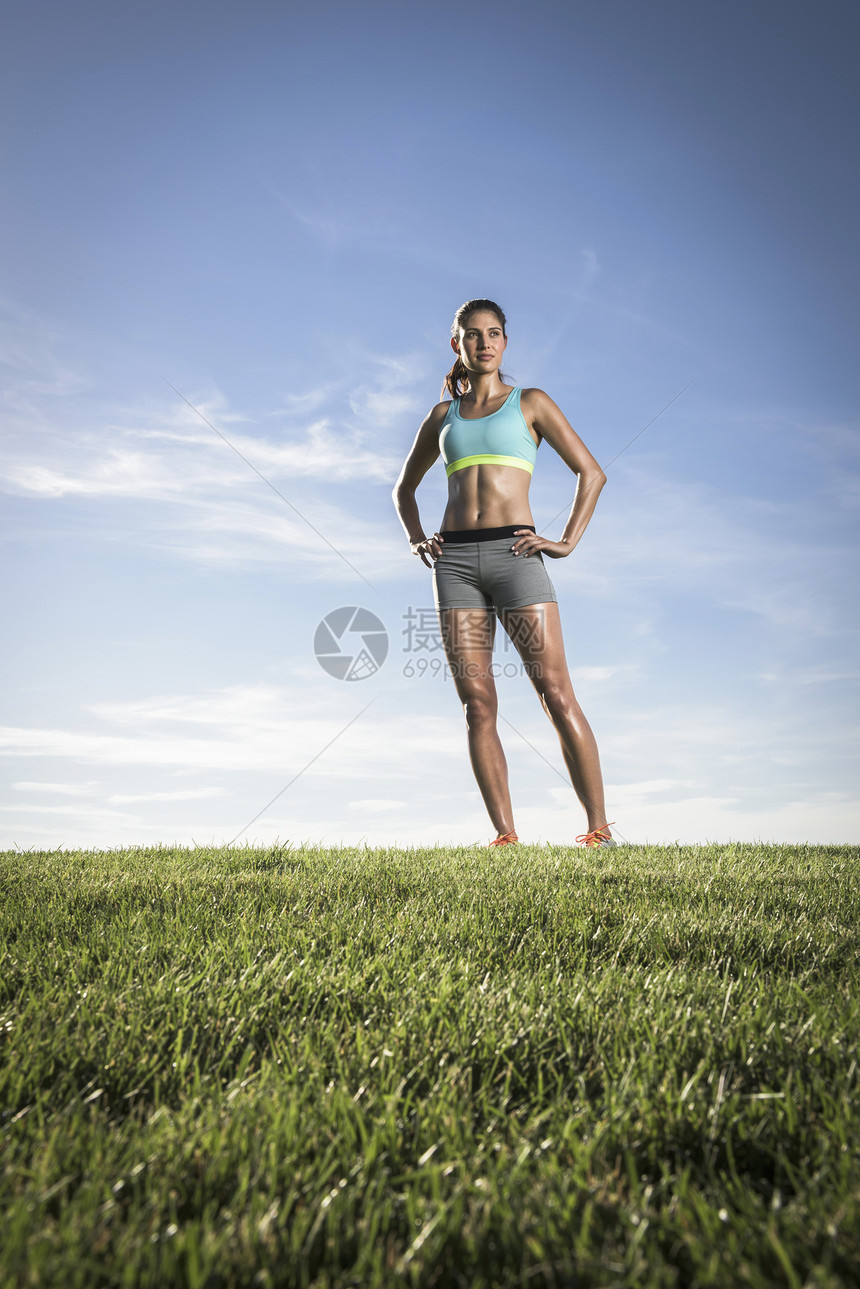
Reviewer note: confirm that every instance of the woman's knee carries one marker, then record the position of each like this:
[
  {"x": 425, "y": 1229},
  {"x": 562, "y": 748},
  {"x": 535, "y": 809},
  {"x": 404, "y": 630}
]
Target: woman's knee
[
  {"x": 480, "y": 707},
  {"x": 558, "y": 698}
]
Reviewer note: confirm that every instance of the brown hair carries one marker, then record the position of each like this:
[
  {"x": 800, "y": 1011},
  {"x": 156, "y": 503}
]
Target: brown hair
[{"x": 457, "y": 380}]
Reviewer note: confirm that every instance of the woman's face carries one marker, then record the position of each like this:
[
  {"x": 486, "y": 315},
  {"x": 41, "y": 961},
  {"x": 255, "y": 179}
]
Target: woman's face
[{"x": 481, "y": 342}]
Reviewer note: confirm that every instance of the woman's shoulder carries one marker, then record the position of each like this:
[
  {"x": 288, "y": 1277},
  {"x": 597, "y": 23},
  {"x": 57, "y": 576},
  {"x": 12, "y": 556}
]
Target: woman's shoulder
[
  {"x": 537, "y": 402},
  {"x": 437, "y": 414},
  {"x": 435, "y": 419},
  {"x": 535, "y": 396},
  {"x": 538, "y": 409}
]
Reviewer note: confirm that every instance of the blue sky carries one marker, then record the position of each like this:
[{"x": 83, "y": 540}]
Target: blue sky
[{"x": 275, "y": 210}]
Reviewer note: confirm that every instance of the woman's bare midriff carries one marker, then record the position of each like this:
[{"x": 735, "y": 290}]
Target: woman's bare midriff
[{"x": 487, "y": 496}]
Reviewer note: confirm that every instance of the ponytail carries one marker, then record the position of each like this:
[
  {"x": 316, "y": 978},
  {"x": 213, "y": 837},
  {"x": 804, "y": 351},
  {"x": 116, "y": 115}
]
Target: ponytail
[{"x": 457, "y": 380}]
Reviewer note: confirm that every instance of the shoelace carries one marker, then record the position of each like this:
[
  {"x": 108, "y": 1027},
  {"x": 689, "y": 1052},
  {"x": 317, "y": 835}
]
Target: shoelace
[
  {"x": 507, "y": 840},
  {"x": 596, "y": 837}
]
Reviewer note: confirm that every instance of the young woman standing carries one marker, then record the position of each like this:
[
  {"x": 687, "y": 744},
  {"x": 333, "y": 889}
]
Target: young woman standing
[{"x": 487, "y": 558}]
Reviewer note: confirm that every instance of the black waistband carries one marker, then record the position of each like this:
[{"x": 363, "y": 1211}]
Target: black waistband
[{"x": 457, "y": 536}]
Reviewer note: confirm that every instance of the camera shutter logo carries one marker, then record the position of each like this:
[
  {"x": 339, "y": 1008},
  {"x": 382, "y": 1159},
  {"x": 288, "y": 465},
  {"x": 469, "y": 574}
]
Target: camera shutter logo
[{"x": 351, "y": 643}]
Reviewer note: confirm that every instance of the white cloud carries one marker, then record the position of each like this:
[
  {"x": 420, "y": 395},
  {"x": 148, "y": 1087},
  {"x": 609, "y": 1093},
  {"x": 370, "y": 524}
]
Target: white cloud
[
  {"x": 600, "y": 675},
  {"x": 715, "y": 775},
  {"x": 823, "y": 674},
  {"x": 260, "y": 728},
  {"x": 90, "y": 814},
  {"x": 191, "y": 495},
  {"x": 194, "y": 794},
  {"x": 304, "y": 402},
  {"x": 377, "y": 805},
  {"x": 189, "y": 465},
  {"x": 59, "y": 789},
  {"x": 626, "y": 794},
  {"x": 390, "y": 399}
]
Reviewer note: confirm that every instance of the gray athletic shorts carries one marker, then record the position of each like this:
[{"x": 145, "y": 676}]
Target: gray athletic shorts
[{"x": 486, "y": 574}]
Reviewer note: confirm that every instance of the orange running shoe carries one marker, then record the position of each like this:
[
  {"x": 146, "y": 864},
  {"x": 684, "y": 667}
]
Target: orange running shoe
[
  {"x": 506, "y": 839},
  {"x": 597, "y": 837}
]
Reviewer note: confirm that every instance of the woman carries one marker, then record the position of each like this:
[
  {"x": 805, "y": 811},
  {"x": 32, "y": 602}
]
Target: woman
[{"x": 487, "y": 559}]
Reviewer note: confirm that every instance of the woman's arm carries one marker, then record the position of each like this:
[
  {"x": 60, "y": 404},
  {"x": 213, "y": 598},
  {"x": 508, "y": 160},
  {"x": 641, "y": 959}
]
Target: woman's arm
[
  {"x": 422, "y": 455},
  {"x": 551, "y": 423}
]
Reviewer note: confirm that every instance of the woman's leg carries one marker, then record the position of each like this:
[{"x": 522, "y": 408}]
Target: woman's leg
[
  {"x": 536, "y": 633},
  {"x": 468, "y": 637}
]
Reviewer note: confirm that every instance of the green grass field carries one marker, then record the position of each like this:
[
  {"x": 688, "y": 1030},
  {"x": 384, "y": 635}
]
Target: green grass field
[{"x": 453, "y": 1067}]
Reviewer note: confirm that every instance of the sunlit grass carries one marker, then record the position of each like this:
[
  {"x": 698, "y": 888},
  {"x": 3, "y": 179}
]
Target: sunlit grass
[{"x": 541, "y": 1066}]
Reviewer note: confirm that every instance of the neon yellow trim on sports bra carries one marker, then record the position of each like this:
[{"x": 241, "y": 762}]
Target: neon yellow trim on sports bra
[{"x": 488, "y": 458}]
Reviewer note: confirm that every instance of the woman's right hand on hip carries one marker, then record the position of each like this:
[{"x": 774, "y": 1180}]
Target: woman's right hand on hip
[{"x": 431, "y": 546}]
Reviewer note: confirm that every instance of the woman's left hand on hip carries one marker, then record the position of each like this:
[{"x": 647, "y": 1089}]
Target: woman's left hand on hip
[{"x": 527, "y": 543}]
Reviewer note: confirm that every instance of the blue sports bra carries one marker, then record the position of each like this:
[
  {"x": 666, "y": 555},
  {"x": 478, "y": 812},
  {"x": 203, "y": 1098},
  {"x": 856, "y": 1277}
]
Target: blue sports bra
[{"x": 502, "y": 438}]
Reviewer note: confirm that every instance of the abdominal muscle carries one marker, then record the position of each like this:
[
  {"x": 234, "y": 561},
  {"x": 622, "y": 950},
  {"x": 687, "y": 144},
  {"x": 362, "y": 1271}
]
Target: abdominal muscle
[{"x": 487, "y": 496}]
